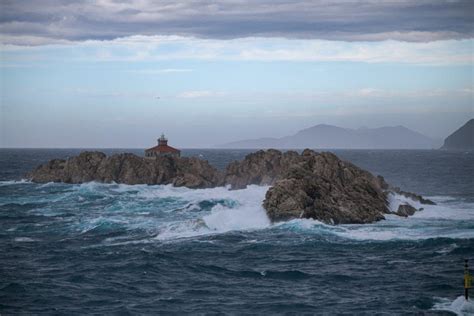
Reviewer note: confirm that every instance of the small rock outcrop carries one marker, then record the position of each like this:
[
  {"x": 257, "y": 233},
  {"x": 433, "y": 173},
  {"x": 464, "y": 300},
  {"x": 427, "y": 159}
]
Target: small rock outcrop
[
  {"x": 129, "y": 169},
  {"x": 413, "y": 196},
  {"x": 405, "y": 210},
  {"x": 309, "y": 185}
]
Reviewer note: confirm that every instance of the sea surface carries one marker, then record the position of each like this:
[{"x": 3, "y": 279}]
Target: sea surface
[{"x": 137, "y": 249}]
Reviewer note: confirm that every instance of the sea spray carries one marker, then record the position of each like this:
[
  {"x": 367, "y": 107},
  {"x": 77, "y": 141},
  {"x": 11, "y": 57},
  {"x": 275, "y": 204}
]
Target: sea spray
[{"x": 242, "y": 210}]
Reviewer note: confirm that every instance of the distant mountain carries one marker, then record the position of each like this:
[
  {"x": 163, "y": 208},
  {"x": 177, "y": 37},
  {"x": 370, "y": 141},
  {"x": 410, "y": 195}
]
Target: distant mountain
[
  {"x": 328, "y": 136},
  {"x": 462, "y": 139}
]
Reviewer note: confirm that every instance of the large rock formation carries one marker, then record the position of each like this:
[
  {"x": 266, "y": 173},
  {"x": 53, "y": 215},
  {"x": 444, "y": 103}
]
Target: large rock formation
[
  {"x": 316, "y": 185},
  {"x": 129, "y": 169},
  {"x": 310, "y": 185}
]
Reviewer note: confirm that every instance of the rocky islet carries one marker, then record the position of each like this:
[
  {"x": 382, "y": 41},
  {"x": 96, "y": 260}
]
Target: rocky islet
[{"x": 315, "y": 185}]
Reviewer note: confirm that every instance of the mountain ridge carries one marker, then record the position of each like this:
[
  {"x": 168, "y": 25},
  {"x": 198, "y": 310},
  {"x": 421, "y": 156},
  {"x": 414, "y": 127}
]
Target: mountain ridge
[
  {"x": 330, "y": 136},
  {"x": 462, "y": 138}
]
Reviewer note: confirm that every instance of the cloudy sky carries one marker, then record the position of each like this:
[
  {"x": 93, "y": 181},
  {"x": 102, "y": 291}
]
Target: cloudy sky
[{"x": 117, "y": 73}]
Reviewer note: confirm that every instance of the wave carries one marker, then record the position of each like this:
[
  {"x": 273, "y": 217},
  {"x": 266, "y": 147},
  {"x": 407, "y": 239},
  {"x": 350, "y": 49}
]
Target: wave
[
  {"x": 24, "y": 239},
  {"x": 14, "y": 182},
  {"x": 459, "y": 306},
  {"x": 164, "y": 212},
  {"x": 387, "y": 230},
  {"x": 244, "y": 212},
  {"x": 448, "y": 219}
]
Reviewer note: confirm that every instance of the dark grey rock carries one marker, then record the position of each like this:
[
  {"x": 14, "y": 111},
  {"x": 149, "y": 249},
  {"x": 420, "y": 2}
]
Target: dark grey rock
[
  {"x": 323, "y": 187},
  {"x": 129, "y": 169},
  {"x": 405, "y": 210}
]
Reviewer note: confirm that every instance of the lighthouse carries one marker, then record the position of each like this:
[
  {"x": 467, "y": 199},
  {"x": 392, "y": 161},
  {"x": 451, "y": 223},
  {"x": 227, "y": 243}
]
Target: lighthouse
[{"x": 162, "y": 149}]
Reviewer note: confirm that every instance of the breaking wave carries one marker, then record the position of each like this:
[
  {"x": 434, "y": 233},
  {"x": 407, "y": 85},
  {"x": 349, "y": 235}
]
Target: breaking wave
[
  {"x": 163, "y": 212},
  {"x": 460, "y": 306}
]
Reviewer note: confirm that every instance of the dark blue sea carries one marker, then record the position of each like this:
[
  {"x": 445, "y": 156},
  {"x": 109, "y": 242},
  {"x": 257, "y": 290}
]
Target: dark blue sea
[{"x": 121, "y": 249}]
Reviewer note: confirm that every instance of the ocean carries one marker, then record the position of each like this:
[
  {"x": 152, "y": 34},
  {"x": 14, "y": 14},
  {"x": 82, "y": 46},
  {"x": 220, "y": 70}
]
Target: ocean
[{"x": 137, "y": 249}]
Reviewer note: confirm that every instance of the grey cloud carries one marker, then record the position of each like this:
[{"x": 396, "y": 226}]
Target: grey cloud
[{"x": 417, "y": 21}]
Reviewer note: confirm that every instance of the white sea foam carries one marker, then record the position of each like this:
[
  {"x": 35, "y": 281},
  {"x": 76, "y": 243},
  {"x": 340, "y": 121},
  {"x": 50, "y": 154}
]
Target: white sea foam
[
  {"x": 167, "y": 212},
  {"x": 245, "y": 213},
  {"x": 448, "y": 249},
  {"x": 459, "y": 306},
  {"x": 47, "y": 184},
  {"x": 449, "y": 220},
  {"x": 11, "y": 182},
  {"x": 446, "y": 207},
  {"x": 243, "y": 217},
  {"x": 24, "y": 239},
  {"x": 389, "y": 229},
  {"x": 242, "y": 210},
  {"x": 434, "y": 221},
  {"x": 395, "y": 200}
]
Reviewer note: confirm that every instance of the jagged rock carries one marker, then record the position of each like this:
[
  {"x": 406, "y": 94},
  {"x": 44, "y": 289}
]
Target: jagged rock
[
  {"x": 314, "y": 185},
  {"x": 261, "y": 168},
  {"x": 311, "y": 185},
  {"x": 325, "y": 188},
  {"x": 196, "y": 173},
  {"x": 405, "y": 210},
  {"x": 52, "y": 171},
  {"x": 287, "y": 199},
  {"x": 129, "y": 169}
]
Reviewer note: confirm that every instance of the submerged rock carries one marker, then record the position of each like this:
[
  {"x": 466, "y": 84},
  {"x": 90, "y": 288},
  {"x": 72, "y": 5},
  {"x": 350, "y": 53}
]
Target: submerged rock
[
  {"x": 309, "y": 185},
  {"x": 129, "y": 169}
]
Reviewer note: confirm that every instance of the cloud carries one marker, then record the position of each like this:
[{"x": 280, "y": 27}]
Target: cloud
[
  {"x": 161, "y": 71},
  {"x": 200, "y": 94},
  {"x": 52, "y": 21},
  {"x": 321, "y": 95},
  {"x": 159, "y": 48}
]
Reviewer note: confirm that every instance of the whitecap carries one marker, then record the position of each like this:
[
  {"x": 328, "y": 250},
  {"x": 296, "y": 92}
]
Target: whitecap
[
  {"x": 434, "y": 221},
  {"x": 167, "y": 212},
  {"x": 223, "y": 219},
  {"x": 11, "y": 182},
  {"x": 459, "y": 306},
  {"x": 448, "y": 249},
  {"x": 246, "y": 213},
  {"x": 395, "y": 200},
  {"x": 24, "y": 239},
  {"x": 48, "y": 184}
]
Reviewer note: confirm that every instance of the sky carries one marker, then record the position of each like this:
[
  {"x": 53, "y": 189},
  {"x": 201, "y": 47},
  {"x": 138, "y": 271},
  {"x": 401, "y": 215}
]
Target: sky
[{"x": 118, "y": 73}]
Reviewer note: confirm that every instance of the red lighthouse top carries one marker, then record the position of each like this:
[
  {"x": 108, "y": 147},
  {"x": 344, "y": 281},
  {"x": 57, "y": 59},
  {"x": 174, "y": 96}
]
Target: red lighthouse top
[
  {"x": 162, "y": 141},
  {"x": 162, "y": 149}
]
